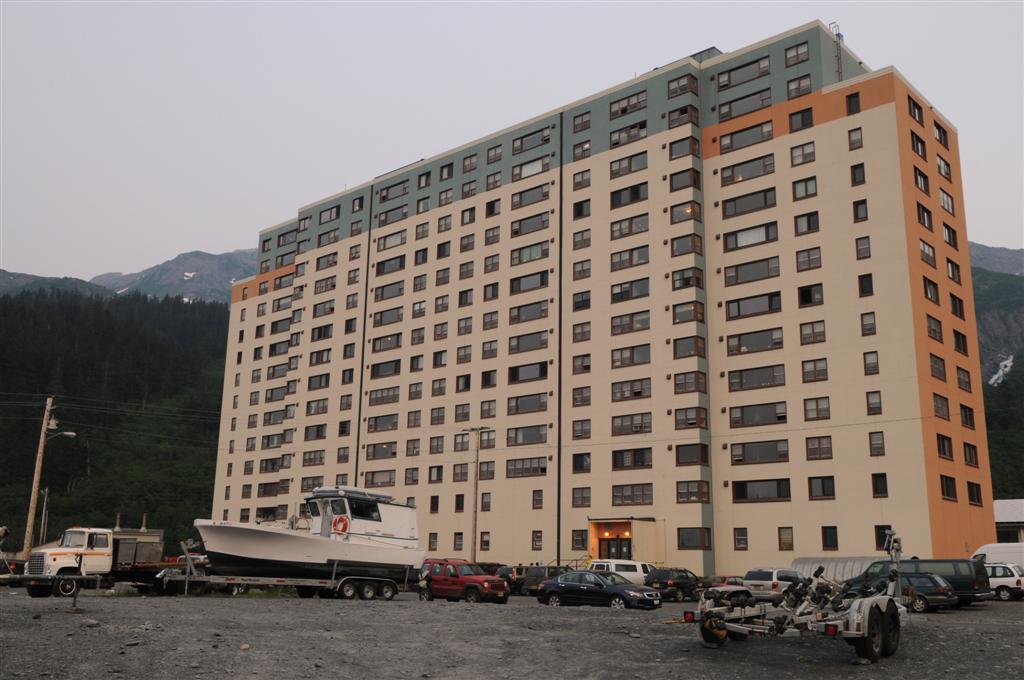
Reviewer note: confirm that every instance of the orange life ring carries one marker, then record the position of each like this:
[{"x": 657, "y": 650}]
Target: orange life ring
[{"x": 340, "y": 524}]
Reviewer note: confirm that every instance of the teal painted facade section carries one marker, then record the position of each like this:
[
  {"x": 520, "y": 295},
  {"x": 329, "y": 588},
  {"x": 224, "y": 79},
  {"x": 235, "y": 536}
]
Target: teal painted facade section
[{"x": 821, "y": 66}]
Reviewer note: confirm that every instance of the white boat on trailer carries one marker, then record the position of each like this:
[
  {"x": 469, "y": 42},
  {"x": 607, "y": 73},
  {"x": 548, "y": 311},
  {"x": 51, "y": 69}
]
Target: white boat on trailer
[{"x": 349, "y": 534}]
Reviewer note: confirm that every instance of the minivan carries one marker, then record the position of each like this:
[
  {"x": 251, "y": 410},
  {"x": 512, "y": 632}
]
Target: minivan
[
  {"x": 968, "y": 577},
  {"x": 628, "y": 569}
]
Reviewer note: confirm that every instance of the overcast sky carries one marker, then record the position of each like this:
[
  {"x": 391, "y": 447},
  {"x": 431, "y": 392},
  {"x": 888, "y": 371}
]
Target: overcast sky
[{"x": 134, "y": 132}]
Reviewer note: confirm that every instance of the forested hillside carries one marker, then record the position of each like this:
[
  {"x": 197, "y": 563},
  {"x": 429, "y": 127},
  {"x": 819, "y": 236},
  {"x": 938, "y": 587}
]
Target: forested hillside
[{"x": 138, "y": 380}]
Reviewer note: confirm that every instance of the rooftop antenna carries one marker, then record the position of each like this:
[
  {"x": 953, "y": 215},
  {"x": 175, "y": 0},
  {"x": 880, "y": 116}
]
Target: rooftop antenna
[{"x": 837, "y": 38}]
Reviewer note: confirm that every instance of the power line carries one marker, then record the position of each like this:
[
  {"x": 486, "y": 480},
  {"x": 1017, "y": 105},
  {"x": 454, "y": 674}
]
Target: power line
[
  {"x": 136, "y": 432},
  {"x": 110, "y": 401}
]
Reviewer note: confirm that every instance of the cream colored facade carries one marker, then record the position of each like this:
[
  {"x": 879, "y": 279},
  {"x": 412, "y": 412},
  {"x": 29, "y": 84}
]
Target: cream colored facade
[{"x": 563, "y": 474}]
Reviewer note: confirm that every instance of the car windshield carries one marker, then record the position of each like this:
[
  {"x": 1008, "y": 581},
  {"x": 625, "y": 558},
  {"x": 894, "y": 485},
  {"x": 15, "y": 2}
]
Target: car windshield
[
  {"x": 758, "y": 575},
  {"x": 615, "y": 579},
  {"x": 470, "y": 570},
  {"x": 73, "y": 539}
]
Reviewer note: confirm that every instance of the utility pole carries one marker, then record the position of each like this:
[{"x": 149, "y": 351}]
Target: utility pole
[
  {"x": 29, "y": 524},
  {"x": 46, "y": 515},
  {"x": 476, "y": 489}
]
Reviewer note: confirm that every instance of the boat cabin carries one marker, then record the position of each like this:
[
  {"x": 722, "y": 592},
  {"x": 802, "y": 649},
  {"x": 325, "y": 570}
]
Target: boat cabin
[{"x": 342, "y": 511}]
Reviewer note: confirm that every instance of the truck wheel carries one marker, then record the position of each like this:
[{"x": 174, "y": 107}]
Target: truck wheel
[
  {"x": 472, "y": 596},
  {"x": 890, "y": 630},
  {"x": 367, "y": 591},
  {"x": 1004, "y": 594},
  {"x": 39, "y": 591},
  {"x": 65, "y": 588},
  {"x": 870, "y": 647},
  {"x": 305, "y": 592},
  {"x": 347, "y": 590},
  {"x": 388, "y": 591}
]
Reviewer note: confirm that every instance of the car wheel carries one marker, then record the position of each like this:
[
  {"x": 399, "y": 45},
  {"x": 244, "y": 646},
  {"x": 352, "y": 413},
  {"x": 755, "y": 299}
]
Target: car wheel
[
  {"x": 1004, "y": 594},
  {"x": 919, "y": 605},
  {"x": 472, "y": 596},
  {"x": 890, "y": 630},
  {"x": 617, "y": 602},
  {"x": 554, "y": 600},
  {"x": 870, "y": 647},
  {"x": 426, "y": 595},
  {"x": 503, "y": 600}
]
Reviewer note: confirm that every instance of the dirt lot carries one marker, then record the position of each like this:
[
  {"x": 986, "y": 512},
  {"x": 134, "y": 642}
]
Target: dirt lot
[{"x": 251, "y": 637}]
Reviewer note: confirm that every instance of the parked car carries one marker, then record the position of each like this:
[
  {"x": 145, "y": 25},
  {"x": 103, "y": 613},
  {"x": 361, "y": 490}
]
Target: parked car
[
  {"x": 673, "y": 584},
  {"x": 513, "y": 577},
  {"x": 769, "y": 583},
  {"x": 930, "y": 592},
  {"x": 968, "y": 577},
  {"x": 718, "y": 581},
  {"x": 537, "y": 575},
  {"x": 460, "y": 580},
  {"x": 628, "y": 569},
  {"x": 603, "y": 589},
  {"x": 1005, "y": 580}
]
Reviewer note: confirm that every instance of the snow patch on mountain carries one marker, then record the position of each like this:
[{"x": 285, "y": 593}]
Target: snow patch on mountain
[
  {"x": 189, "y": 275},
  {"x": 1004, "y": 367}
]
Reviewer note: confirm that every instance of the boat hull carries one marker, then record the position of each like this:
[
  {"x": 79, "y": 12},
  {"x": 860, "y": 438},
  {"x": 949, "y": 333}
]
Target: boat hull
[{"x": 254, "y": 550}]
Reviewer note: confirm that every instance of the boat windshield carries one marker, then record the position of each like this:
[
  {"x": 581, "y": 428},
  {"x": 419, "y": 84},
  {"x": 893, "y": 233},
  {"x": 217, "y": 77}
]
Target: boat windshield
[
  {"x": 470, "y": 570},
  {"x": 72, "y": 539},
  {"x": 314, "y": 509},
  {"x": 338, "y": 507}
]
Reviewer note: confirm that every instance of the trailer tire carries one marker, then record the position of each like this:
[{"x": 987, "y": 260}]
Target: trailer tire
[
  {"x": 388, "y": 591},
  {"x": 890, "y": 630},
  {"x": 712, "y": 636},
  {"x": 737, "y": 637},
  {"x": 39, "y": 591},
  {"x": 305, "y": 592},
  {"x": 367, "y": 591},
  {"x": 870, "y": 647}
]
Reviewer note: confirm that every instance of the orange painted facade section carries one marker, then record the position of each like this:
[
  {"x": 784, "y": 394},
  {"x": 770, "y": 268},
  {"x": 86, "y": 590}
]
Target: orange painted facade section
[
  {"x": 827, "y": 107},
  {"x": 958, "y": 528},
  {"x": 251, "y": 288}
]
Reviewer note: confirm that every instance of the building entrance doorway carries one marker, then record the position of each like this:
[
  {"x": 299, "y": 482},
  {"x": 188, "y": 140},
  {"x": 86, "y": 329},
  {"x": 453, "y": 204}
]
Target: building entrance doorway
[{"x": 615, "y": 549}]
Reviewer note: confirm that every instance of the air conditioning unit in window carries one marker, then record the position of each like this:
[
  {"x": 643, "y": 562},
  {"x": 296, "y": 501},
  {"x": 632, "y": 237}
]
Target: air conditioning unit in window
[{"x": 638, "y": 428}]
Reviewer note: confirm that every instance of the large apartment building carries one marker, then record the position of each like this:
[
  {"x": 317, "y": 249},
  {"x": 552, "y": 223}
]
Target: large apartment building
[{"x": 716, "y": 316}]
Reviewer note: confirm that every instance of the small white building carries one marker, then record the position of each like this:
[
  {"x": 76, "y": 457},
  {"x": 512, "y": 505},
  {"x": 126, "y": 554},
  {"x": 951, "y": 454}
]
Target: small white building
[{"x": 1009, "y": 520}]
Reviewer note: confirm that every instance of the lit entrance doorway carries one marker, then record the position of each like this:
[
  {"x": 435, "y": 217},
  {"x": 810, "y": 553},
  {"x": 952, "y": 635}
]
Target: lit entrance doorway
[{"x": 615, "y": 549}]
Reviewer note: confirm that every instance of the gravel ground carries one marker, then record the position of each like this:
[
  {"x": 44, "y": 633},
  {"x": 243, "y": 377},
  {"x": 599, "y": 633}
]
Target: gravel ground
[{"x": 260, "y": 637}]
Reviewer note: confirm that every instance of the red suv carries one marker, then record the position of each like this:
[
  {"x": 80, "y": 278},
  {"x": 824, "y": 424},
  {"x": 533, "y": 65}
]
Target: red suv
[{"x": 460, "y": 580}]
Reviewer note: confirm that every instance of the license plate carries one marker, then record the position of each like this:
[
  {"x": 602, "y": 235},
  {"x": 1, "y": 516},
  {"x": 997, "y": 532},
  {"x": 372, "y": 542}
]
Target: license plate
[
  {"x": 757, "y": 587},
  {"x": 655, "y": 585},
  {"x": 657, "y": 602}
]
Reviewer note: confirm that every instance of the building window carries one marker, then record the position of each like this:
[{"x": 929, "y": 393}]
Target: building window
[
  {"x": 830, "y": 538},
  {"x": 739, "y": 538},
  {"x": 795, "y": 55},
  {"x": 947, "y": 487},
  {"x": 537, "y": 540},
  {"x": 581, "y": 122},
  {"x": 855, "y": 137},
  {"x": 879, "y": 485},
  {"x": 863, "y": 247},
  {"x": 798, "y": 87},
  {"x": 874, "y": 402},
  {"x": 693, "y": 538},
  {"x": 579, "y": 539},
  {"x": 860, "y": 210},
  {"x": 852, "y": 103},
  {"x": 580, "y": 462},
  {"x": 817, "y": 408},
  {"x": 973, "y": 493},
  {"x": 785, "y": 538},
  {"x": 865, "y": 285},
  {"x": 876, "y": 443},
  {"x": 819, "y": 448},
  {"x": 821, "y": 488},
  {"x": 916, "y": 112},
  {"x": 801, "y": 120}
]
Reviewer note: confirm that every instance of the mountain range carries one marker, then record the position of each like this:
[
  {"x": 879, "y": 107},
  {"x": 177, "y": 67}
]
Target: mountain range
[{"x": 196, "y": 275}]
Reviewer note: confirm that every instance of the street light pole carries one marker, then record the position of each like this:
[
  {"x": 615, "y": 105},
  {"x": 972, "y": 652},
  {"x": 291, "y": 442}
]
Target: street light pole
[
  {"x": 27, "y": 546},
  {"x": 476, "y": 489}
]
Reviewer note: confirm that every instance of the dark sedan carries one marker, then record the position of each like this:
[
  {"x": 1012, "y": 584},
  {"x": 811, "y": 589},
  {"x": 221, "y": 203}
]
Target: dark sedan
[
  {"x": 606, "y": 589},
  {"x": 930, "y": 592}
]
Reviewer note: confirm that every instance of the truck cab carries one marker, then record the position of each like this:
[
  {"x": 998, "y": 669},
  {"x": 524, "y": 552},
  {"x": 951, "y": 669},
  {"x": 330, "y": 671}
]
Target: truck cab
[{"x": 95, "y": 547}]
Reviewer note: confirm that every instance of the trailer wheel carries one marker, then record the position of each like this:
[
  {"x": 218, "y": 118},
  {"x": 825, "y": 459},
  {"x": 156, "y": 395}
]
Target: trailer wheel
[
  {"x": 388, "y": 591},
  {"x": 870, "y": 647},
  {"x": 890, "y": 630},
  {"x": 737, "y": 637},
  {"x": 305, "y": 592},
  {"x": 39, "y": 591},
  {"x": 367, "y": 591},
  {"x": 65, "y": 587},
  {"x": 712, "y": 635}
]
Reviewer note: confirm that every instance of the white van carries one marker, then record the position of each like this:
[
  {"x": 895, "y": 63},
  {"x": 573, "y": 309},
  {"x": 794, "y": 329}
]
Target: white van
[
  {"x": 635, "y": 572},
  {"x": 1001, "y": 553}
]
